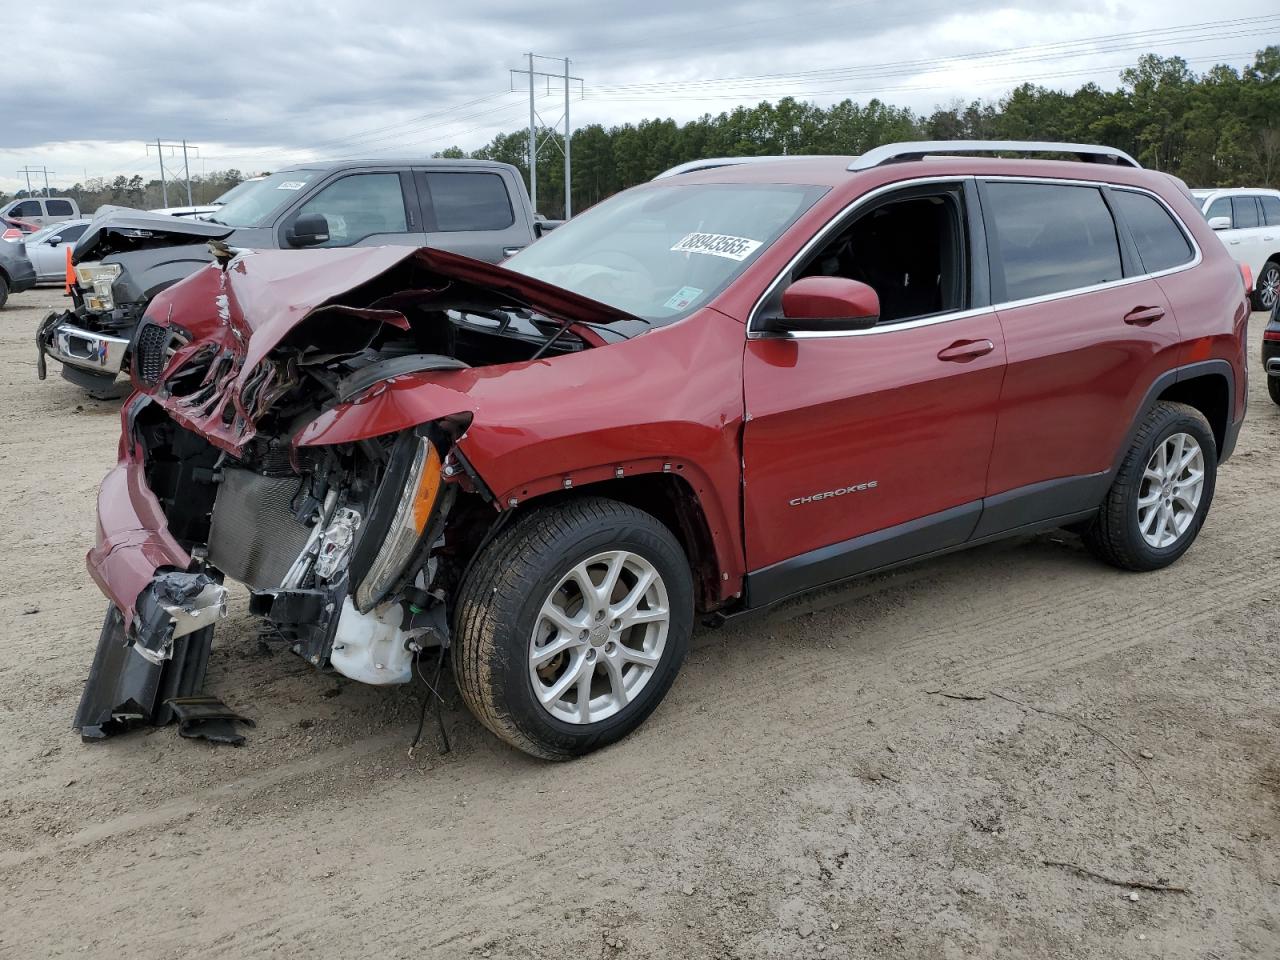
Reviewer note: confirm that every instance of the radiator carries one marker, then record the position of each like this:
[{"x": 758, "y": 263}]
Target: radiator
[{"x": 254, "y": 537}]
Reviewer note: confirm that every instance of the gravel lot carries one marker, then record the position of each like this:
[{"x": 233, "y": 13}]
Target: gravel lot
[{"x": 807, "y": 790}]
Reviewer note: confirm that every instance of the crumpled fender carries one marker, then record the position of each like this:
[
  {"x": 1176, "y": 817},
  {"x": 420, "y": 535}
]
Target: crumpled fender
[
  {"x": 133, "y": 538},
  {"x": 615, "y": 411}
]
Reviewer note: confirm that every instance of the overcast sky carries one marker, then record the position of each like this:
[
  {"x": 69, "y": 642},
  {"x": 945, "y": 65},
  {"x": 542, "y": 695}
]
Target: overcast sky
[{"x": 259, "y": 85}]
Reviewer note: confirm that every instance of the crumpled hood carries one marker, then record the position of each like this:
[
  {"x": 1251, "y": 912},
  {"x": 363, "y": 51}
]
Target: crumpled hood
[
  {"x": 115, "y": 229},
  {"x": 232, "y": 317}
]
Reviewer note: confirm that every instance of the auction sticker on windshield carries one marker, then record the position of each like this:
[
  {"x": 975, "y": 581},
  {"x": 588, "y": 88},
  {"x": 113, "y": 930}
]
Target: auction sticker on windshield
[
  {"x": 718, "y": 245},
  {"x": 292, "y": 185}
]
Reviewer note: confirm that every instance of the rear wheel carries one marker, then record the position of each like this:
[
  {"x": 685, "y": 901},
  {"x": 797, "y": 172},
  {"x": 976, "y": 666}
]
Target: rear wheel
[
  {"x": 572, "y": 625},
  {"x": 1266, "y": 289},
  {"x": 1161, "y": 493},
  {"x": 4, "y": 289},
  {"x": 1273, "y": 388}
]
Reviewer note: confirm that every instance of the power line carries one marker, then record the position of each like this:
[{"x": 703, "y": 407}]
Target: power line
[{"x": 1058, "y": 50}]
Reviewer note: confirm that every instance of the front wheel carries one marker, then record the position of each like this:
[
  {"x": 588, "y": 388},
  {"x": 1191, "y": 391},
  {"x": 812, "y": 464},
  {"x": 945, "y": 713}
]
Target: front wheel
[
  {"x": 4, "y": 290},
  {"x": 572, "y": 625},
  {"x": 1266, "y": 289},
  {"x": 1273, "y": 388},
  {"x": 1161, "y": 493}
]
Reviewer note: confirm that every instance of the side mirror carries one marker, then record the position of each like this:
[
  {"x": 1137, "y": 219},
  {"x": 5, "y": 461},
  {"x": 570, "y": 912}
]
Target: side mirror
[
  {"x": 826, "y": 305},
  {"x": 1220, "y": 223},
  {"x": 308, "y": 230},
  {"x": 54, "y": 241}
]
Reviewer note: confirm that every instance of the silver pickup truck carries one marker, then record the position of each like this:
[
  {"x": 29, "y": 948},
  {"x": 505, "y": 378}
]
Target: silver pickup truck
[{"x": 474, "y": 207}]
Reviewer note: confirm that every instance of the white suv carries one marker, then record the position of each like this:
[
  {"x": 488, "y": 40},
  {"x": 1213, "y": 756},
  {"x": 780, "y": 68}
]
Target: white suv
[{"x": 1248, "y": 221}]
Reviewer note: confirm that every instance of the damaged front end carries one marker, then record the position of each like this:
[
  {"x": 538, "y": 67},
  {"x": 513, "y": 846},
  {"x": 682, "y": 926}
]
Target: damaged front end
[
  {"x": 122, "y": 261},
  {"x": 349, "y": 547}
]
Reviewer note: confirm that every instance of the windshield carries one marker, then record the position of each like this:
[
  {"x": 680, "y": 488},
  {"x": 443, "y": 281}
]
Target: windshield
[
  {"x": 661, "y": 252},
  {"x": 239, "y": 189},
  {"x": 255, "y": 205}
]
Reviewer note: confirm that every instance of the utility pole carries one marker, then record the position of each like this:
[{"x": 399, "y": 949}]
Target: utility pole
[
  {"x": 172, "y": 146},
  {"x": 28, "y": 170},
  {"x": 534, "y": 146}
]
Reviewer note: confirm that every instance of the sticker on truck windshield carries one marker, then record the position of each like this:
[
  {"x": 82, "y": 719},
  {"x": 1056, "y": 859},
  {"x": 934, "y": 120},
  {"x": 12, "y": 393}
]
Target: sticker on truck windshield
[
  {"x": 718, "y": 245},
  {"x": 292, "y": 185},
  {"x": 682, "y": 298}
]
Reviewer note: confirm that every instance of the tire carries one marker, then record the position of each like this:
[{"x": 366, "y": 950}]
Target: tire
[
  {"x": 1273, "y": 388},
  {"x": 1116, "y": 535},
  {"x": 1266, "y": 288},
  {"x": 500, "y": 626},
  {"x": 4, "y": 290}
]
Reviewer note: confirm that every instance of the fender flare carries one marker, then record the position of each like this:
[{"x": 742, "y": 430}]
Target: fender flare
[{"x": 1178, "y": 375}]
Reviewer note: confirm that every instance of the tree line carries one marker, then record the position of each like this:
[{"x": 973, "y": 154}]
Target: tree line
[{"x": 1217, "y": 128}]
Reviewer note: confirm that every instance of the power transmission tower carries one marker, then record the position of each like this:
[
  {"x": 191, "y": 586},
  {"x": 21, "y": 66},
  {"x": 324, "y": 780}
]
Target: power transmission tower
[
  {"x": 29, "y": 170},
  {"x": 535, "y": 119},
  {"x": 172, "y": 146}
]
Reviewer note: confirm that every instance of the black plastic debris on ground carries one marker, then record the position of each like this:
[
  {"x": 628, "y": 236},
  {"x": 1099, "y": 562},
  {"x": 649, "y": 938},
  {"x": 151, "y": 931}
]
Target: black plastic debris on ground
[{"x": 205, "y": 717}]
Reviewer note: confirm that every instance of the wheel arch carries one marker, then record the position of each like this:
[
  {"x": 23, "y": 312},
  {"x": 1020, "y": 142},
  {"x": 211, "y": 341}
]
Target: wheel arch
[
  {"x": 1209, "y": 392},
  {"x": 670, "y": 493},
  {"x": 1208, "y": 386}
]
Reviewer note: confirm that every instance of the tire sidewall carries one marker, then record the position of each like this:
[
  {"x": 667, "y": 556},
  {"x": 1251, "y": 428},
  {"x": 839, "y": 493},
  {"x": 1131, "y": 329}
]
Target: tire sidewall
[
  {"x": 1156, "y": 557},
  {"x": 511, "y": 675},
  {"x": 1269, "y": 267}
]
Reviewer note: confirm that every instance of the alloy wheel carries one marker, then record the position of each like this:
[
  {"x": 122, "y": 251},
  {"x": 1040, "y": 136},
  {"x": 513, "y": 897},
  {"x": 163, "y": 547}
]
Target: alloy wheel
[
  {"x": 599, "y": 637},
  {"x": 1172, "y": 485},
  {"x": 1269, "y": 287}
]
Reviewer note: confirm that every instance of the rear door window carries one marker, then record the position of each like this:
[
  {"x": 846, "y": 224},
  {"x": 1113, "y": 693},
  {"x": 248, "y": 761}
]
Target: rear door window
[
  {"x": 468, "y": 201},
  {"x": 1048, "y": 238},
  {"x": 1270, "y": 210},
  {"x": 358, "y": 206},
  {"x": 1244, "y": 213},
  {"x": 1161, "y": 242},
  {"x": 59, "y": 208}
]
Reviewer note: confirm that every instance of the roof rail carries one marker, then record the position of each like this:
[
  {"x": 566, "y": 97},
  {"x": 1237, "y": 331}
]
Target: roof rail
[
  {"x": 710, "y": 163},
  {"x": 917, "y": 150}
]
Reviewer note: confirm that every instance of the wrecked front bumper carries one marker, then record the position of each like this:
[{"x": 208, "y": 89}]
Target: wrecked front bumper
[
  {"x": 158, "y": 631},
  {"x": 62, "y": 337}
]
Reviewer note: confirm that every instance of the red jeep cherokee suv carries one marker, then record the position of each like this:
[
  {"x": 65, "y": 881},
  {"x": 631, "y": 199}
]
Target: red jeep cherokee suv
[{"x": 703, "y": 396}]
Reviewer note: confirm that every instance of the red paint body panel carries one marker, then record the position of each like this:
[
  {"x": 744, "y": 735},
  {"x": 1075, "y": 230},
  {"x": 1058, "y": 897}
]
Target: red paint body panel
[
  {"x": 580, "y": 416},
  {"x": 1076, "y": 375},
  {"x": 133, "y": 538},
  {"x": 831, "y": 413}
]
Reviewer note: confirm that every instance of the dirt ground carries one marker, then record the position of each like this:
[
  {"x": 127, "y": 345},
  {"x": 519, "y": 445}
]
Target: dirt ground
[{"x": 807, "y": 790}]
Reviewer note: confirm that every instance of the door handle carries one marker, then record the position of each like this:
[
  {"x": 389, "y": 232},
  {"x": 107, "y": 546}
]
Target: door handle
[
  {"x": 962, "y": 351},
  {"x": 1234, "y": 242},
  {"x": 1143, "y": 316}
]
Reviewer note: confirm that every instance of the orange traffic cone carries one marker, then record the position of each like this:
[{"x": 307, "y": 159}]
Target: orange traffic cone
[{"x": 71, "y": 275}]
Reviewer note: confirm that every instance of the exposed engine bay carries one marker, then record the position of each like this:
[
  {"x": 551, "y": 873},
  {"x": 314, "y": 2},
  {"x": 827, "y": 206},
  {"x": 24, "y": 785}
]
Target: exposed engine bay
[{"x": 350, "y": 550}]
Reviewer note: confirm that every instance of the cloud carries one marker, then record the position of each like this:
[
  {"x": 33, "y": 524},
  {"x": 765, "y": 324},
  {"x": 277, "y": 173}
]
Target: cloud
[{"x": 260, "y": 84}]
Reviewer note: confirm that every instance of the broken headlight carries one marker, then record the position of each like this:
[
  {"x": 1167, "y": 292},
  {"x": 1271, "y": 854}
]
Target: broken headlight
[
  {"x": 96, "y": 280},
  {"x": 417, "y": 498}
]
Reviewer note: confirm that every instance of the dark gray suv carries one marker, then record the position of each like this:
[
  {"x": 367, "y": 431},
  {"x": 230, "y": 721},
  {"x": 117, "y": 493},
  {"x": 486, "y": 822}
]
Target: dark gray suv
[
  {"x": 16, "y": 271},
  {"x": 474, "y": 207}
]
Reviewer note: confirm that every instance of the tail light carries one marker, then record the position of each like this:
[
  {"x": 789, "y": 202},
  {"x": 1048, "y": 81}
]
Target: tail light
[
  {"x": 1247, "y": 275},
  {"x": 11, "y": 233}
]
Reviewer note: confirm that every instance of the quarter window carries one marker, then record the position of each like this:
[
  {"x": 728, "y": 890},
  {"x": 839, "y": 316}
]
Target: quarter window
[
  {"x": 1270, "y": 210},
  {"x": 1245, "y": 212},
  {"x": 359, "y": 206},
  {"x": 1049, "y": 238},
  {"x": 59, "y": 208},
  {"x": 1161, "y": 242},
  {"x": 469, "y": 201}
]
